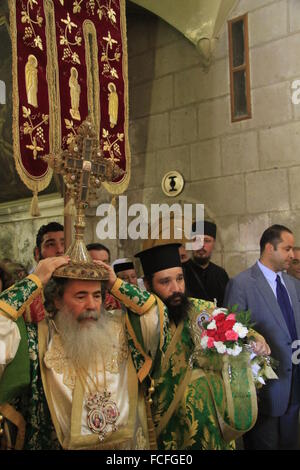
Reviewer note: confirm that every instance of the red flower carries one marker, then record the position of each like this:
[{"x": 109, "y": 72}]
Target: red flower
[
  {"x": 220, "y": 318},
  {"x": 226, "y": 325},
  {"x": 231, "y": 316},
  {"x": 211, "y": 333},
  {"x": 231, "y": 335}
]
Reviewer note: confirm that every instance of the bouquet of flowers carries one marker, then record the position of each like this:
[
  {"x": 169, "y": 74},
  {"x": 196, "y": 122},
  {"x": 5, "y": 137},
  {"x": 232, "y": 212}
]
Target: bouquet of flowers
[
  {"x": 228, "y": 334},
  {"x": 225, "y": 332}
]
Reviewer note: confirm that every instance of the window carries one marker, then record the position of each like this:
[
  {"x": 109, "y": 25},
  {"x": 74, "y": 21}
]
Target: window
[{"x": 239, "y": 69}]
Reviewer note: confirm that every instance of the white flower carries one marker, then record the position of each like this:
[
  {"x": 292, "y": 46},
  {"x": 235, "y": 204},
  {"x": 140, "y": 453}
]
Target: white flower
[
  {"x": 217, "y": 311},
  {"x": 220, "y": 347},
  {"x": 212, "y": 325},
  {"x": 234, "y": 351},
  {"x": 203, "y": 342},
  {"x": 240, "y": 330}
]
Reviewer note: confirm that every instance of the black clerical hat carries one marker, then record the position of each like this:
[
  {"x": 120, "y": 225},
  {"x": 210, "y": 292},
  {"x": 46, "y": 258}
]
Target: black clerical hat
[
  {"x": 160, "y": 257},
  {"x": 209, "y": 228},
  {"x": 122, "y": 264}
]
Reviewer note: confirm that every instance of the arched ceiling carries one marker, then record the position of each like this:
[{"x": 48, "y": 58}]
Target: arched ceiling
[{"x": 200, "y": 21}]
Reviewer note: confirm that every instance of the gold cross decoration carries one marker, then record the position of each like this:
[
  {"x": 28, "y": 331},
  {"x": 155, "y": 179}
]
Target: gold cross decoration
[
  {"x": 83, "y": 166},
  {"x": 84, "y": 169}
]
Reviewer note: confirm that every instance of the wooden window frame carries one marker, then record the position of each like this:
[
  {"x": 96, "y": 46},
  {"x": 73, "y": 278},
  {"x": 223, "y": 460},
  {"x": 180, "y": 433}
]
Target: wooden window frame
[{"x": 244, "y": 67}]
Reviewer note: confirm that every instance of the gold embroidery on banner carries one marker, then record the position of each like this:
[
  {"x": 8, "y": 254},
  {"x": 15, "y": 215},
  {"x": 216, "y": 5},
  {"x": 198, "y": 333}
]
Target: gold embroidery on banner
[
  {"x": 34, "y": 128},
  {"x": 111, "y": 146},
  {"x": 108, "y": 56},
  {"x": 31, "y": 80},
  {"x": 121, "y": 186},
  {"x": 102, "y": 10},
  {"x": 71, "y": 136},
  {"x": 113, "y": 104},
  {"x": 53, "y": 79},
  {"x": 92, "y": 71},
  {"x": 77, "y": 6},
  {"x": 33, "y": 183},
  {"x": 107, "y": 11},
  {"x": 30, "y": 37},
  {"x": 74, "y": 94},
  {"x": 69, "y": 55}
]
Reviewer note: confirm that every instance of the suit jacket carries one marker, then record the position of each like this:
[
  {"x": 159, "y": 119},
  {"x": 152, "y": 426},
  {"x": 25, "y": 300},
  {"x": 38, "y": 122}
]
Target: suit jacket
[{"x": 251, "y": 290}]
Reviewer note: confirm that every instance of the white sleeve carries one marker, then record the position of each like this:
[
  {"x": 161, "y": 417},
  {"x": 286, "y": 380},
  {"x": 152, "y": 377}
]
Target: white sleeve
[
  {"x": 9, "y": 341},
  {"x": 150, "y": 330}
]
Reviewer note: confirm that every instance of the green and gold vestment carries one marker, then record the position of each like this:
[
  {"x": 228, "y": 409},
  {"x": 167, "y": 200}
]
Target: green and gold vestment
[{"x": 193, "y": 408}]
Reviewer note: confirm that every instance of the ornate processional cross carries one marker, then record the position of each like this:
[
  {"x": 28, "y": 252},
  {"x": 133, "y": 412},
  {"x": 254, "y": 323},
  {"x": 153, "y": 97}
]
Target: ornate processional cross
[
  {"x": 84, "y": 169},
  {"x": 83, "y": 166}
]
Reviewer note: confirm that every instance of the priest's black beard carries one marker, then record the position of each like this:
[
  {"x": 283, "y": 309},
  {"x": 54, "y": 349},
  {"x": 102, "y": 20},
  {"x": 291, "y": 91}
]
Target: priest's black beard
[
  {"x": 178, "y": 312},
  {"x": 201, "y": 261}
]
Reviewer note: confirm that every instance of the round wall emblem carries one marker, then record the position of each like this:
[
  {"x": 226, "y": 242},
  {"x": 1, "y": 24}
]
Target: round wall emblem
[{"x": 172, "y": 183}]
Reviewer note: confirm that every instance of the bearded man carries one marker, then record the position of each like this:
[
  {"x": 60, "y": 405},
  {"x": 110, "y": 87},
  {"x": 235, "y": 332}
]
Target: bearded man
[
  {"x": 72, "y": 373},
  {"x": 205, "y": 279},
  {"x": 188, "y": 404}
]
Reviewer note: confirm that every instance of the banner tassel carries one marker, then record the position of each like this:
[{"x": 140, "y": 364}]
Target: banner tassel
[{"x": 34, "y": 207}]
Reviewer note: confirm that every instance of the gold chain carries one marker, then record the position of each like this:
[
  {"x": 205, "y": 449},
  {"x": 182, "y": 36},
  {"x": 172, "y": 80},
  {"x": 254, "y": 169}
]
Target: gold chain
[{"x": 85, "y": 377}]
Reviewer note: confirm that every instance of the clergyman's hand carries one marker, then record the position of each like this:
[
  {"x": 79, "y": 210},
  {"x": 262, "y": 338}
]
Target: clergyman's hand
[
  {"x": 47, "y": 266},
  {"x": 261, "y": 348},
  {"x": 112, "y": 275}
]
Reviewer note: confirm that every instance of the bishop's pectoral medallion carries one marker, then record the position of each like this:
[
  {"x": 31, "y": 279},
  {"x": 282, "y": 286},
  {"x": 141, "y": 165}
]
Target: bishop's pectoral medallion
[{"x": 103, "y": 414}]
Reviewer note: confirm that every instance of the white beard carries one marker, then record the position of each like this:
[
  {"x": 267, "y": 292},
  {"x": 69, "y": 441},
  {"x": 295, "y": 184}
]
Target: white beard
[{"x": 84, "y": 342}]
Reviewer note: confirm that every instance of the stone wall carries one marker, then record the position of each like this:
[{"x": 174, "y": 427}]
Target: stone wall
[
  {"x": 18, "y": 229},
  {"x": 246, "y": 173}
]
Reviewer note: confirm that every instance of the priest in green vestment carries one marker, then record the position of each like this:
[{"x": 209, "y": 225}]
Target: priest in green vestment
[
  {"x": 67, "y": 382},
  {"x": 193, "y": 407}
]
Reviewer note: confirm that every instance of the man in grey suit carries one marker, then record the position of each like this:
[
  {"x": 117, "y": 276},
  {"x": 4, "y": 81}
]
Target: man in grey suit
[{"x": 272, "y": 296}]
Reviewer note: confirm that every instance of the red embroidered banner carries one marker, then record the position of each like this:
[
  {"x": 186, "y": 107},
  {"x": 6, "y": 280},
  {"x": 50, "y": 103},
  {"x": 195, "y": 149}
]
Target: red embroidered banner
[{"x": 69, "y": 58}]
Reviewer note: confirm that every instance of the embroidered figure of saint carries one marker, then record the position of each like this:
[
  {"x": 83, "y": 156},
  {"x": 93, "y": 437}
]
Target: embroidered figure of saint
[
  {"x": 74, "y": 94},
  {"x": 31, "y": 80},
  {"x": 113, "y": 104}
]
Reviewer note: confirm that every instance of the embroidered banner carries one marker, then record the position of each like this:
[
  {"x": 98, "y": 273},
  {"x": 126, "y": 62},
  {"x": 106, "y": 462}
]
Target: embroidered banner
[{"x": 69, "y": 58}]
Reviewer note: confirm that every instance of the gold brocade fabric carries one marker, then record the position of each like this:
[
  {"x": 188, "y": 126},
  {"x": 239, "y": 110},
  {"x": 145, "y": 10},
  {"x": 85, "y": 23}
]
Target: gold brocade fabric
[
  {"x": 66, "y": 397},
  {"x": 55, "y": 359},
  {"x": 113, "y": 357}
]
